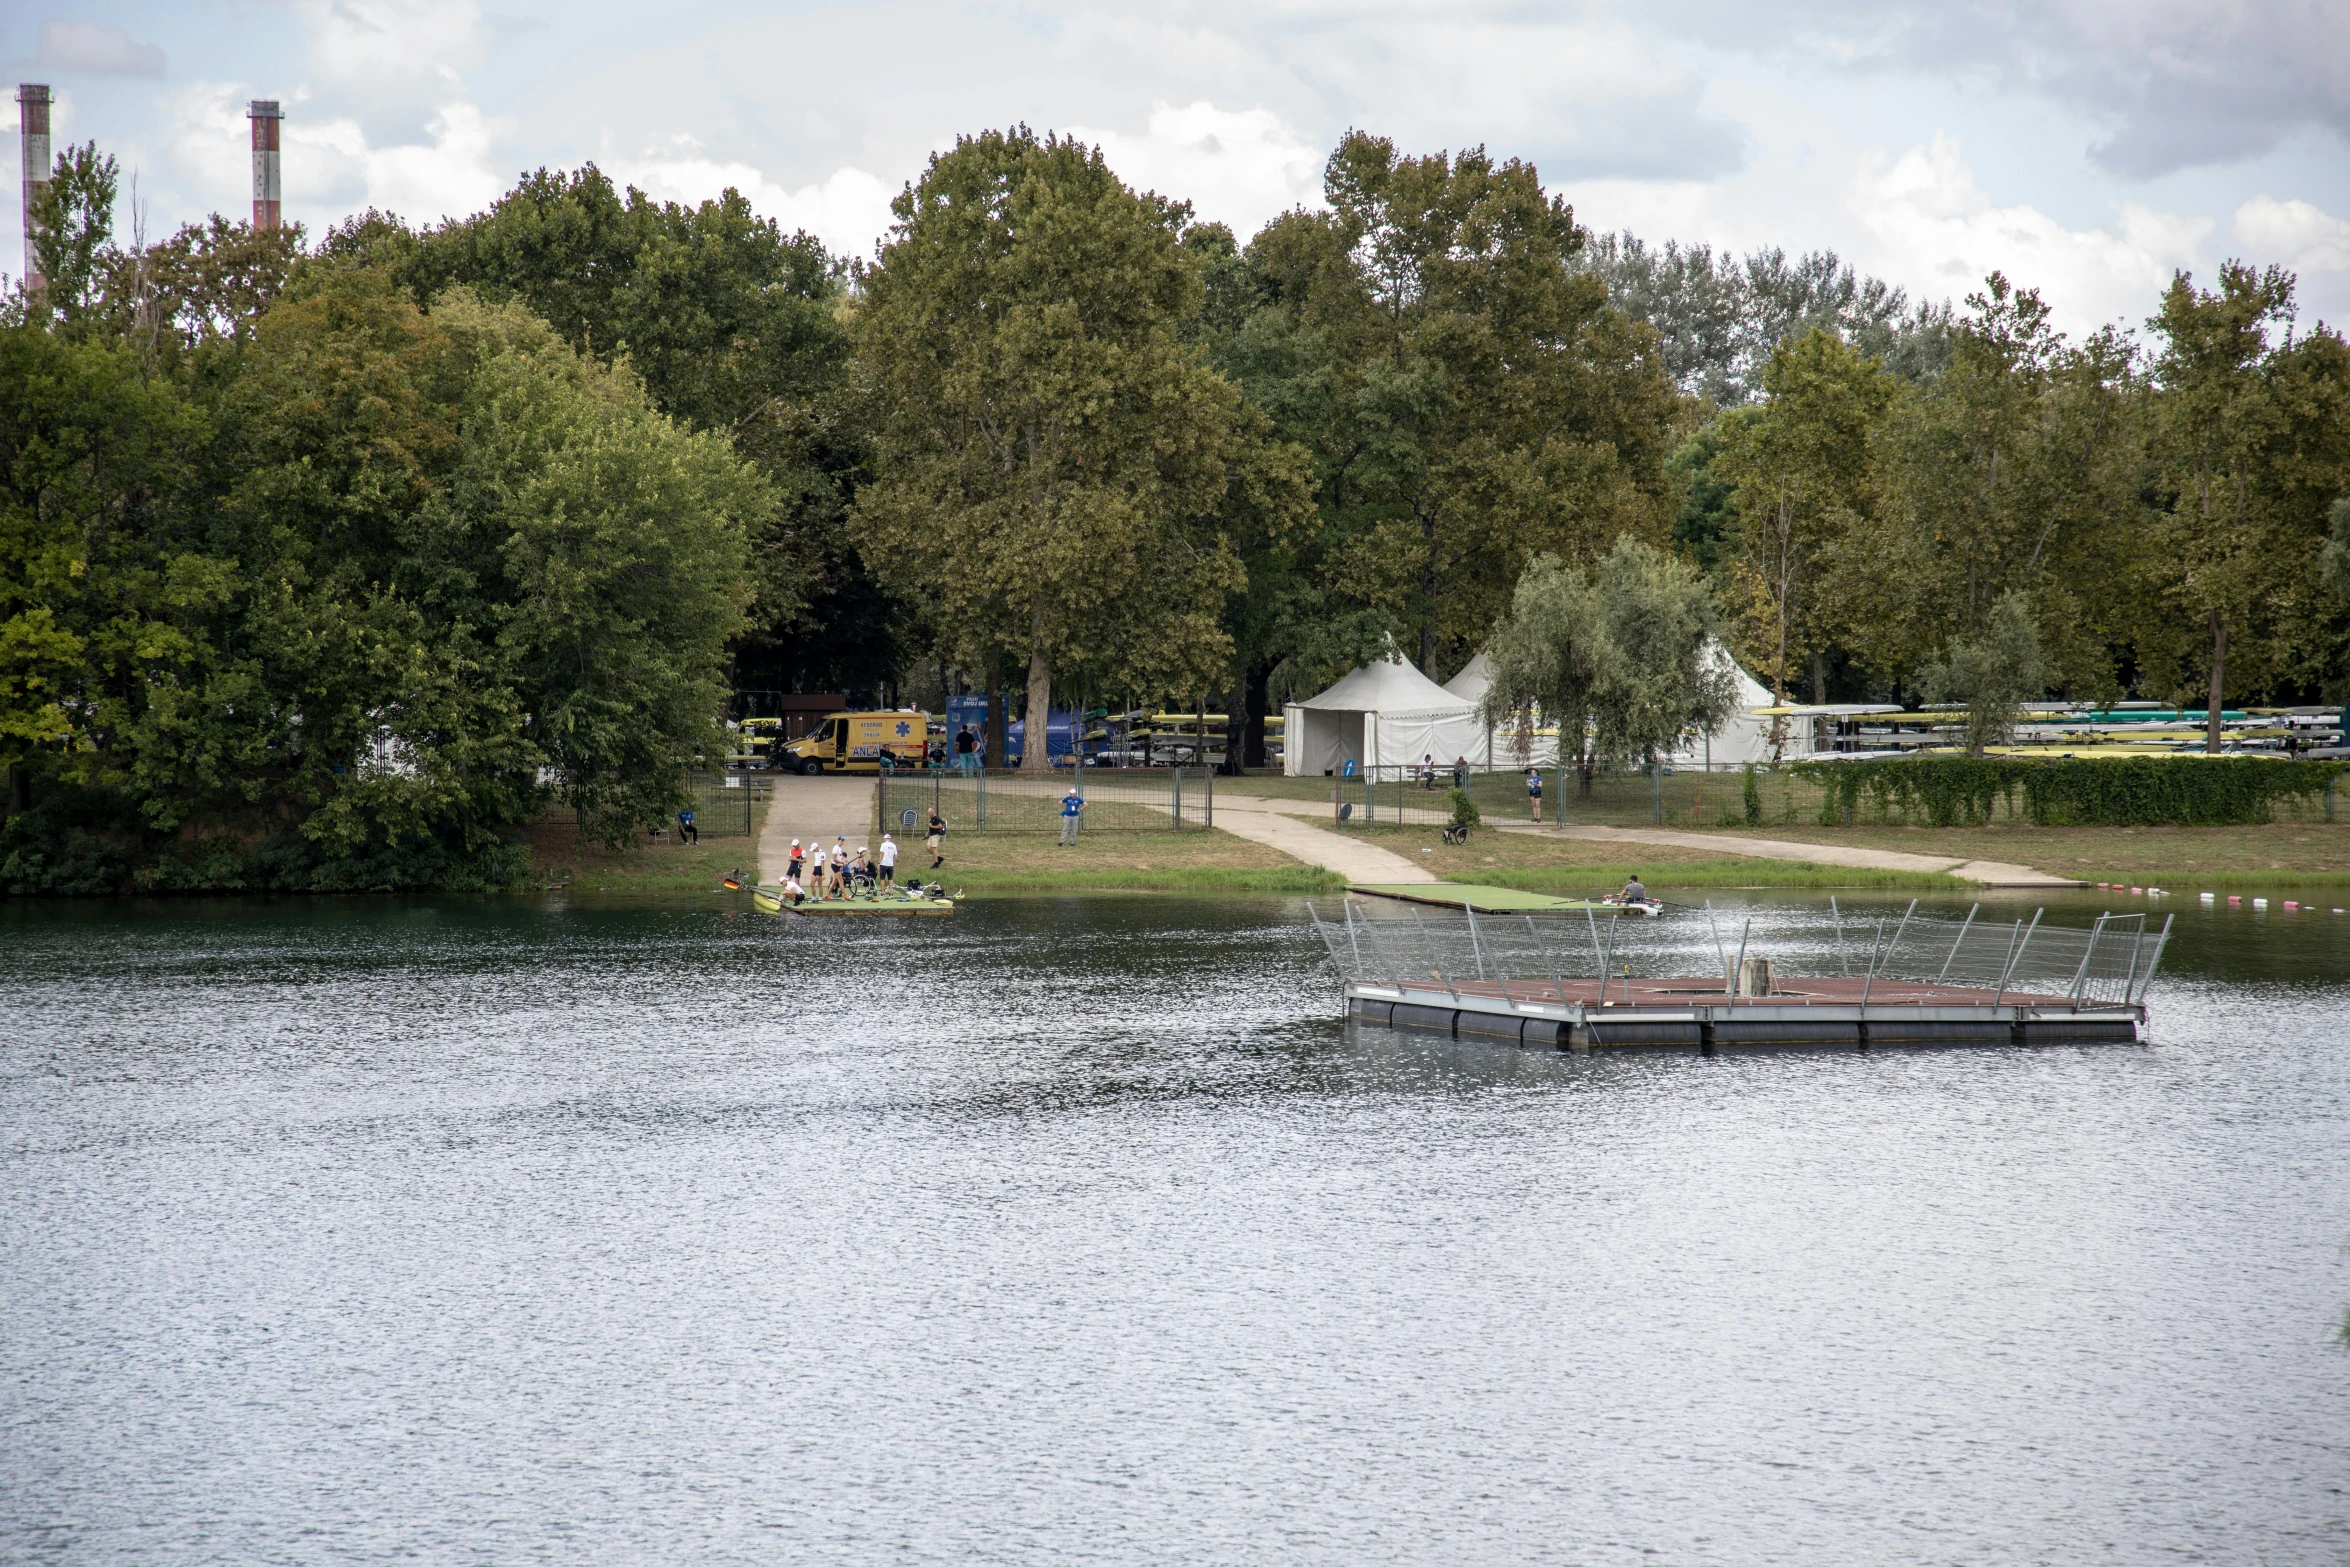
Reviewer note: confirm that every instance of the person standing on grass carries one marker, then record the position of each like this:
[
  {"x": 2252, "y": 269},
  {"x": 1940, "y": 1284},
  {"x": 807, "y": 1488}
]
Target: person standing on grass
[
  {"x": 1460, "y": 773},
  {"x": 936, "y": 842},
  {"x": 1427, "y": 770},
  {"x": 889, "y": 863},
  {"x": 816, "y": 872},
  {"x": 1072, "y": 806},
  {"x": 687, "y": 832},
  {"x": 1534, "y": 791}
]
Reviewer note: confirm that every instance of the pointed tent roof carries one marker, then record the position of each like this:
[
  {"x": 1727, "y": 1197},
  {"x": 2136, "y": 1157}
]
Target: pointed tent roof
[
  {"x": 1388, "y": 686},
  {"x": 1471, "y": 683}
]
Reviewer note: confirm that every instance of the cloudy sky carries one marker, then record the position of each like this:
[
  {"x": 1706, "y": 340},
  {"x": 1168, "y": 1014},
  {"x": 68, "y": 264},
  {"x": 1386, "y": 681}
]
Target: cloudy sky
[{"x": 2087, "y": 147}]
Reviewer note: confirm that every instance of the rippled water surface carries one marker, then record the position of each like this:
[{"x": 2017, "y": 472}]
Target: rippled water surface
[{"x": 1081, "y": 1231}]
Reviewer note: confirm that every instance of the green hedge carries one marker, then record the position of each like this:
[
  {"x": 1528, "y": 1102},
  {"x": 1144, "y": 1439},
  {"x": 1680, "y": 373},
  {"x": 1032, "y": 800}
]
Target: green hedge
[{"x": 2086, "y": 791}]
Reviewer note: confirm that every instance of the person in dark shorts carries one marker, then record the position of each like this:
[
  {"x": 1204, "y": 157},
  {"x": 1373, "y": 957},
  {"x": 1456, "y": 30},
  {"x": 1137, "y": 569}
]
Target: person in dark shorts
[
  {"x": 797, "y": 860},
  {"x": 936, "y": 842},
  {"x": 889, "y": 862},
  {"x": 1634, "y": 891},
  {"x": 1534, "y": 790}
]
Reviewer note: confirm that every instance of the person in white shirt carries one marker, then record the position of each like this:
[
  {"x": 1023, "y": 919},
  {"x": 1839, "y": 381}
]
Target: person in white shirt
[
  {"x": 889, "y": 860},
  {"x": 792, "y": 892},
  {"x": 816, "y": 871}
]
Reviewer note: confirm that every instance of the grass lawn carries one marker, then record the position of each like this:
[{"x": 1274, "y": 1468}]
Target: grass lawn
[
  {"x": 2280, "y": 853},
  {"x": 1196, "y": 861},
  {"x": 1575, "y": 865},
  {"x": 559, "y": 855}
]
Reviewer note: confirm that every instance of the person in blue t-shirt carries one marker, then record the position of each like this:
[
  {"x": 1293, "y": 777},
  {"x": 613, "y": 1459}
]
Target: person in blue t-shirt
[
  {"x": 687, "y": 832},
  {"x": 1072, "y": 806}
]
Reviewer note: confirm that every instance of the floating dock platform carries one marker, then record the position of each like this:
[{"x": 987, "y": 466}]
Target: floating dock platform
[{"x": 1920, "y": 983}]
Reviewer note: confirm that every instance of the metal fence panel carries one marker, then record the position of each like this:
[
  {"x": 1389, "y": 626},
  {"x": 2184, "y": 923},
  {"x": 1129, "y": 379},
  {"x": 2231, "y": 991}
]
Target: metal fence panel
[{"x": 1117, "y": 799}]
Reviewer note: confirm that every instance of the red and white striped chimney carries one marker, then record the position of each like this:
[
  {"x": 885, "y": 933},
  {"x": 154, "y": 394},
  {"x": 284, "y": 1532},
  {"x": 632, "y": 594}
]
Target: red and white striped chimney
[
  {"x": 32, "y": 119},
  {"x": 266, "y": 117}
]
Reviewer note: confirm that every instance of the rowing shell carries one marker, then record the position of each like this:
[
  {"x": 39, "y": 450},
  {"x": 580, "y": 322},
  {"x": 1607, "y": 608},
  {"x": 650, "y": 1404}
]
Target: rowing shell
[{"x": 768, "y": 903}]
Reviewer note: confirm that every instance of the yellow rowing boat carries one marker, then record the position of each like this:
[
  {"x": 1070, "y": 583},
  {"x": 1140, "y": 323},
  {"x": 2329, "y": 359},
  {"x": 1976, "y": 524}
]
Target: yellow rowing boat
[{"x": 768, "y": 903}]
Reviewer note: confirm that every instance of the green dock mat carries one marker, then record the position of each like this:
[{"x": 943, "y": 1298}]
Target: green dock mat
[{"x": 1485, "y": 900}]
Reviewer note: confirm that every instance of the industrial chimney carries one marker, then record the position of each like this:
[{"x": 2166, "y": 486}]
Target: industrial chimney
[
  {"x": 267, "y": 117},
  {"x": 32, "y": 118}
]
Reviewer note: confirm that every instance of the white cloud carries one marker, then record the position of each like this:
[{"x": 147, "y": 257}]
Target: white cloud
[
  {"x": 99, "y": 51},
  {"x": 2313, "y": 243},
  {"x": 388, "y": 45},
  {"x": 1933, "y": 228},
  {"x": 2293, "y": 233},
  {"x": 1239, "y": 167},
  {"x": 332, "y": 166},
  {"x": 2173, "y": 83},
  {"x": 848, "y": 210}
]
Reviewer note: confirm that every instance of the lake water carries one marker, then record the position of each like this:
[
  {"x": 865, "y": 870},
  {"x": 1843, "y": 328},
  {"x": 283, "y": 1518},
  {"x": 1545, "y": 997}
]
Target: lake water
[{"x": 1082, "y": 1231}]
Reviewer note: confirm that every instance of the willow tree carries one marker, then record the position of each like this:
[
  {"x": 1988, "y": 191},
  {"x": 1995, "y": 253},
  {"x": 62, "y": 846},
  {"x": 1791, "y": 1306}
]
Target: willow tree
[
  {"x": 1623, "y": 662},
  {"x": 1049, "y": 457}
]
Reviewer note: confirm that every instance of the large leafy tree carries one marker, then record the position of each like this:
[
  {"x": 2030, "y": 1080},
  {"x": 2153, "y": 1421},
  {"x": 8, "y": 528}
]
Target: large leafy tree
[
  {"x": 2251, "y": 444},
  {"x": 1470, "y": 397},
  {"x": 733, "y": 326},
  {"x": 1803, "y": 484},
  {"x": 1052, "y": 461},
  {"x": 2017, "y": 472}
]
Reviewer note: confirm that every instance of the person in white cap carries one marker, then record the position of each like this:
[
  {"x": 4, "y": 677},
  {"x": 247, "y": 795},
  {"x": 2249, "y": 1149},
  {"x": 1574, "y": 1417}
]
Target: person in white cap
[
  {"x": 889, "y": 862},
  {"x": 792, "y": 872},
  {"x": 816, "y": 872}
]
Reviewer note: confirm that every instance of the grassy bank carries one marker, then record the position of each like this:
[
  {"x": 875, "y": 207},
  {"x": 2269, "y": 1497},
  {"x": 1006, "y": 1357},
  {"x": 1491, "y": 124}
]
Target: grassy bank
[
  {"x": 1203, "y": 861},
  {"x": 560, "y": 857},
  {"x": 1574, "y": 865},
  {"x": 2277, "y": 854}
]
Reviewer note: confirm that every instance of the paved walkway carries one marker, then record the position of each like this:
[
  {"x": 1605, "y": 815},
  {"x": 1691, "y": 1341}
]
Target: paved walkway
[
  {"x": 1277, "y": 825},
  {"x": 1987, "y": 873},
  {"x": 815, "y": 810}
]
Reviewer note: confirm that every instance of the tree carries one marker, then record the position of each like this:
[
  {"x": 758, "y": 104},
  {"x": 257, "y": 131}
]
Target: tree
[
  {"x": 1720, "y": 316},
  {"x": 1470, "y": 398},
  {"x": 1803, "y": 481},
  {"x": 70, "y": 222},
  {"x": 733, "y": 326},
  {"x": 1994, "y": 674},
  {"x": 2017, "y": 470},
  {"x": 1050, "y": 459},
  {"x": 2250, "y": 448},
  {"x": 1625, "y": 665}
]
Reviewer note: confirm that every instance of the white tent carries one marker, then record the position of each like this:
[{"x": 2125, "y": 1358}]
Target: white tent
[
  {"x": 1385, "y": 714},
  {"x": 1743, "y": 737},
  {"x": 1501, "y": 745},
  {"x": 1471, "y": 683}
]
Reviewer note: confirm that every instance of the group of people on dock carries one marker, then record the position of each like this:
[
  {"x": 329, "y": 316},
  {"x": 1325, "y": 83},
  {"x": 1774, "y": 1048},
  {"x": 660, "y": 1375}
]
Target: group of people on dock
[{"x": 815, "y": 874}]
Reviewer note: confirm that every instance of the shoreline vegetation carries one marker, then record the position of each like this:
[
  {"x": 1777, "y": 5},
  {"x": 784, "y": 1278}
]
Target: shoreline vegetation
[{"x": 2286, "y": 854}]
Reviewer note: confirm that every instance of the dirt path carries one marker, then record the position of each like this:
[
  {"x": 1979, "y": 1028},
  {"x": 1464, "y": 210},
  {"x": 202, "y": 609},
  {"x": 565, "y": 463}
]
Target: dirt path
[
  {"x": 816, "y": 810},
  {"x": 1276, "y": 825}
]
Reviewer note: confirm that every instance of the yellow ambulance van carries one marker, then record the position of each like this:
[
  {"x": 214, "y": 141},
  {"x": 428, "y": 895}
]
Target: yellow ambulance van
[{"x": 857, "y": 742}]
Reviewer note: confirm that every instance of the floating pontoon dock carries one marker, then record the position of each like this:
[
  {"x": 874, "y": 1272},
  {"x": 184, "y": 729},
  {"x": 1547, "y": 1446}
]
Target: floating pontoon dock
[{"x": 1902, "y": 981}]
